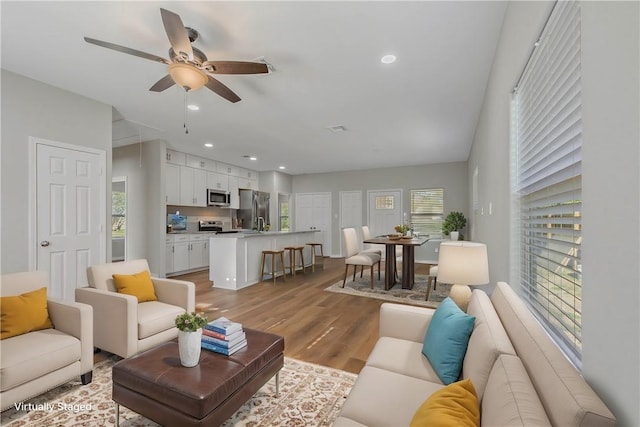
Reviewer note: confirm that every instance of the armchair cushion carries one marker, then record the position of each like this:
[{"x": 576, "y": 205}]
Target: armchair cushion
[
  {"x": 155, "y": 317},
  {"x": 24, "y": 313},
  {"x": 28, "y": 357},
  {"x": 139, "y": 285}
]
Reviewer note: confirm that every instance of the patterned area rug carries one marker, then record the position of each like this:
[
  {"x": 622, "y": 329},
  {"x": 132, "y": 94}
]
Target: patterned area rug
[
  {"x": 310, "y": 395},
  {"x": 362, "y": 287}
]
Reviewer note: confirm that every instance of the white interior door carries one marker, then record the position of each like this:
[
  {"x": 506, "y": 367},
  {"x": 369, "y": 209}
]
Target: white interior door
[
  {"x": 350, "y": 212},
  {"x": 70, "y": 215},
  {"x": 385, "y": 211},
  {"x": 313, "y": 212}
]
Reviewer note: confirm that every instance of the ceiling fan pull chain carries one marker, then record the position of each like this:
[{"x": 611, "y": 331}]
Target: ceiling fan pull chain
[{"x": 186, "y": 128}]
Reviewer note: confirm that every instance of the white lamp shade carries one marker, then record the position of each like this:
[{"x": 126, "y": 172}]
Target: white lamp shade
[
  {"x": 463, "y": 263},
  {"x": 187, "y": 76}
]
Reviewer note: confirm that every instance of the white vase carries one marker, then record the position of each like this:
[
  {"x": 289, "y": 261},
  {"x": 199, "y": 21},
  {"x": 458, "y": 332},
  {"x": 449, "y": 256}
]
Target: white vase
[
  {"x": 189, "y": 347},
  {"x": 455, "y": 235}
]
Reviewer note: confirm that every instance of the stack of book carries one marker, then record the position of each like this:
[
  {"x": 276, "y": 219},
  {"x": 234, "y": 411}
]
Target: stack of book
[{"x": 223, "y": 336}]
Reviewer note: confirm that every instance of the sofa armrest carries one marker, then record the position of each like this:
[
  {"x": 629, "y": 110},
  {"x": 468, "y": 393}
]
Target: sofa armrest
[
  {"x": 176, "y": 292},
  {"x": 404, "y": 321},
  {"x": 115, "y": 320},
  {"x": 75, "y": 319}
]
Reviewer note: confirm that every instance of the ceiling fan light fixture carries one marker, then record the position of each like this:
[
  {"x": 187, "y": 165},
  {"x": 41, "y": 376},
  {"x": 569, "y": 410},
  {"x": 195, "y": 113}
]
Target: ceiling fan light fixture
[{"x": 187, "y": 76}]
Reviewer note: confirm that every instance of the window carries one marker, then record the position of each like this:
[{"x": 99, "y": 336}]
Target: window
[
  {"x": 284, "y": 215},
  {"x": 427, "y": 210},
  {"x": 384, "y": 202},
  {"x": 547, "y": 178}
]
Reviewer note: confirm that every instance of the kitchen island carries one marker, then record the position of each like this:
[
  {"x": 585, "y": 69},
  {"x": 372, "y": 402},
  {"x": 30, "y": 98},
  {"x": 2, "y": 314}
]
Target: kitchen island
[{"x": 234, "y": 258}]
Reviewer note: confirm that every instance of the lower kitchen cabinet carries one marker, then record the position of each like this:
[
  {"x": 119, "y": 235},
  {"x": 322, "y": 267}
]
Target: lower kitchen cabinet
[{"x": 185, "y": 252}]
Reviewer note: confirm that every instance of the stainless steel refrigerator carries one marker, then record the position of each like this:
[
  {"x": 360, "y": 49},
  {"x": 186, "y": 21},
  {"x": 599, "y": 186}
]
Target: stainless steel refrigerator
[{"x": 254, "y": 209}]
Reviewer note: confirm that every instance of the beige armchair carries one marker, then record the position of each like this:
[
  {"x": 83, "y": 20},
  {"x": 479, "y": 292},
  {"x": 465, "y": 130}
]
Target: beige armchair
[
  {"x": 125, "y": 327},
  {"x": 37, "y": 361}
]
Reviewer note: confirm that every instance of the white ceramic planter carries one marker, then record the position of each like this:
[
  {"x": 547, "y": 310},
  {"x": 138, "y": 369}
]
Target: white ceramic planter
[
  {"x": 455, "y": 235},
  {"x": 189, "y": 347}
]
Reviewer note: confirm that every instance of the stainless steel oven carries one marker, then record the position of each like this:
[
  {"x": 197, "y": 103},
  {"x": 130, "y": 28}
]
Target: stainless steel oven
[{"x": 218, "y": 198}]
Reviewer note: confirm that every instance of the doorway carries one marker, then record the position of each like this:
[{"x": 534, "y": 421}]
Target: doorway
[
  {"x": 385, "y": 211},
  {"x": 119, "y": 219}
]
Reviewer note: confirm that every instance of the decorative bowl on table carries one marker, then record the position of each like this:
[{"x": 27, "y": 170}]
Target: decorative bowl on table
[
  {"x": 394, "y": 236},
  {"x": 407, "y": 237}
]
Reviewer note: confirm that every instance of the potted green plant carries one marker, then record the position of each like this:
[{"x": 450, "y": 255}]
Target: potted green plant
[
  {"x": 453, "y": 223},
  {"x": 189, "y": 337}
]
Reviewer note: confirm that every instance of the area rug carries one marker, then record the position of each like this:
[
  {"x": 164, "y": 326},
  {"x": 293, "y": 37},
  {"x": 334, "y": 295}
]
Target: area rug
[
  {"x": 310, "y": 395},
  {"x": 362, "y": 287}
]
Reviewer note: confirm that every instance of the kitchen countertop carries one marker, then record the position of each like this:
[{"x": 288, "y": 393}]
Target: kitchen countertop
[{"x": 253, "y": 233}]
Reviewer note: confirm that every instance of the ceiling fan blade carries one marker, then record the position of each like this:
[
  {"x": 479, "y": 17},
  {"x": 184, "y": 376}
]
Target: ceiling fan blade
[
  {"x": 236, "y": 67},
  {"x": 176, "y": 33},
  {"x": 217, "y": 87},
  {"x": 128, "y": 50},
  {"x": 164, "y": 83}
]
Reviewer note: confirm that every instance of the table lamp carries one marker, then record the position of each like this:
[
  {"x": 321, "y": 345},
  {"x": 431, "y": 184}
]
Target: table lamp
[{"x": 463, "y": 264}]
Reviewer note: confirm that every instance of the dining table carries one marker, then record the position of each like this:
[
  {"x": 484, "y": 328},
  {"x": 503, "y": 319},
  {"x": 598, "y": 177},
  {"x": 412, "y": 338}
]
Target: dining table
[{"x": 408, "y": 243}]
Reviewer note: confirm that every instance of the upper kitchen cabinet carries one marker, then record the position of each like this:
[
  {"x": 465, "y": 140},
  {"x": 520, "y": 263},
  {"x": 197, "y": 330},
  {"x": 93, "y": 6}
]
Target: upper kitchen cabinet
[
  {"x": 217, "y": 181},
  {"x": 201, "y": 163},
  {"x": 193, "y": 187},
  {"x": 172, "y": 184},
  {"x": 227, "y": 169},
  {"x": 176, "y": 157}
]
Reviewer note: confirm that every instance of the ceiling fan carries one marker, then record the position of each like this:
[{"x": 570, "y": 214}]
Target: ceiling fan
[{"x": 188, "y": 66}]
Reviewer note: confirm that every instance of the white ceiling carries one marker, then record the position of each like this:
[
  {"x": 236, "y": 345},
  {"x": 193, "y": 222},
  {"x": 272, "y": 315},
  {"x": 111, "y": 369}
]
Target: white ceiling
[{"x": 422, "y": 109}]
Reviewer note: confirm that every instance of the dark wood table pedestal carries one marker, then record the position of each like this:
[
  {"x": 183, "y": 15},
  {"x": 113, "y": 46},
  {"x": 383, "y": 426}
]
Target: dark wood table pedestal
[{"x": 408, "y": 259}]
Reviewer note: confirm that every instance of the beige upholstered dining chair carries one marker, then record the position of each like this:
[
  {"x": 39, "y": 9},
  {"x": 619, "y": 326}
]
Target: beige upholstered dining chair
[
  {"x": 38, "y": 353},
  {"x": 124, "y": 326},
  {"x": 367, "y": 247},
  {"x": 354, "y": 257}
]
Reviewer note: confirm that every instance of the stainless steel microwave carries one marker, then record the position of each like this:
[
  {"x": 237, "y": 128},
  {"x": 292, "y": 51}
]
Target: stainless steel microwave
[{"x": 219, "y": 198}]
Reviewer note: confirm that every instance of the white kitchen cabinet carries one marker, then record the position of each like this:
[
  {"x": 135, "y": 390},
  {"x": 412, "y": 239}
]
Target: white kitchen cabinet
[
  {"x": 250, "y": 184},
  {"x": 198, "y": 251},
  {"x": 217, "y": 181},
  {"x": 234, "y": 202},
  {"x": 168, "y": 255},
  {"x": 181, "y": 252},
  {"x": 193, "y": 187},
  {"x": 227, "y": 169},
  {"x": 200, "y": 163},
  {"x": 172, "y": 184},
  {"x": 176, "y": 157}
]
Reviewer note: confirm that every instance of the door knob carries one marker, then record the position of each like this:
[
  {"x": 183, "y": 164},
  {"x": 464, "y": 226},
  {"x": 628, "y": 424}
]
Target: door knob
[{"x": 44, "y": 243}]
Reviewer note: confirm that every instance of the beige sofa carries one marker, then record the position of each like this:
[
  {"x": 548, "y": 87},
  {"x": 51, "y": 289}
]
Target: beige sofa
[
  {"x": 37, "y": 361},
  {"x": 519, "y": 374}
]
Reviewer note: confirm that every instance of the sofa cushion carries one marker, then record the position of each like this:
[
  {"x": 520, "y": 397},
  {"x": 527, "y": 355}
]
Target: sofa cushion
[
  {"x": 139, "y": 285},
  {"x": 445, "y": 343},
  {"x": 20, "y": 314},
  {"x": 403, "y": 357},
  {"x": 453, "y": 405},
  {"x": 29, "y": 356},
  {"x": 566, "y": 396},
  {"x": 510, "y": 399},
  {"x": 383, "y": 398},
  {"x": 155, "y": 317},
  {"x": 488, "y": 340}
]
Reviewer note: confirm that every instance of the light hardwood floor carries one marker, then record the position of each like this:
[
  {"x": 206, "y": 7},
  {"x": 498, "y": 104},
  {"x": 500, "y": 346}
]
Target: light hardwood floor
[{"x": 326, "y": 328}]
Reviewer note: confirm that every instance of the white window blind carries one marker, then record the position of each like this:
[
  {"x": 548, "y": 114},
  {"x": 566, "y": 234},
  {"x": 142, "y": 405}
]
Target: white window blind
[
  {"x": 427, "y": 207},
  {"x": 548, "y": 158}
]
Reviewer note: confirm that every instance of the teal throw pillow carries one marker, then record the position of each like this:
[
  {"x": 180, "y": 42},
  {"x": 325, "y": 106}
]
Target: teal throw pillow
[{"x": 445, "y": 343}]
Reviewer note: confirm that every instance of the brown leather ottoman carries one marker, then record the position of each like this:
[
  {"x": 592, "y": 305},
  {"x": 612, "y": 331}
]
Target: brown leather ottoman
[{"x": 155, "y": 385}]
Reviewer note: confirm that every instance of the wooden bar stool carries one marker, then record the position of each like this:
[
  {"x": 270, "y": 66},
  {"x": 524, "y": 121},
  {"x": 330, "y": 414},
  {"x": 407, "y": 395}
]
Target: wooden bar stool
[
  {"x": 273, "y": 253},
  {"x": 314, "y": 254},
  {"x": 292, "y": 258}
]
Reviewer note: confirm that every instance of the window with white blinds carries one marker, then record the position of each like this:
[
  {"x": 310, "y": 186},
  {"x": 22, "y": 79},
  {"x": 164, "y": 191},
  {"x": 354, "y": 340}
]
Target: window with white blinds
[
  {"x": 427, "y": 207},
  {"x": 547, "y": 178}
]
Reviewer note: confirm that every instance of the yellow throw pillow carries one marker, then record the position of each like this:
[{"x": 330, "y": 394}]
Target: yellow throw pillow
[
  {"x": 453, "y": 405},
  {"x": 24, "y": 313},
  {"x": 139, "y": 285}
]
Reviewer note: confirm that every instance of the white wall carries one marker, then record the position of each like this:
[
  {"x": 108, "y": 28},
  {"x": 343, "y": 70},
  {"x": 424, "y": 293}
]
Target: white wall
[
  {"x": 450, "y": 176},
  {"x": 32, "y": 108},
  {"x": 611, "y": 325}
]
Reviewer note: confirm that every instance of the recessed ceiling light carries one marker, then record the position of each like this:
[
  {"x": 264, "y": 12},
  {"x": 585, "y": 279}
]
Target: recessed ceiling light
[
  {"x": 253, "y": 158},
  {"x": 388, "y": 59},
  {"x": 193, "y": 107},
  {"x": 281, "y": 167},
  {"x": 208, "y": 145}
]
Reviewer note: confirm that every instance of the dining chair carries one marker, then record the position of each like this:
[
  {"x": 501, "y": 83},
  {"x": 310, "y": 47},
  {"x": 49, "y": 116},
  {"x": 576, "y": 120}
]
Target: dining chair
[{"x": 353, "y": 255}]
